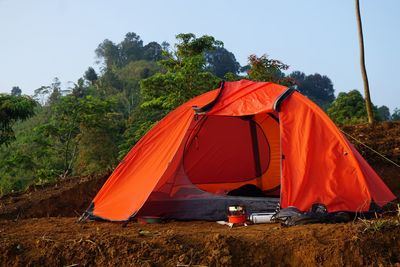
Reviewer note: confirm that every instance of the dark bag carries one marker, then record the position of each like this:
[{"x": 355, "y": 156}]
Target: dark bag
[{"x": 319, "y": 214}]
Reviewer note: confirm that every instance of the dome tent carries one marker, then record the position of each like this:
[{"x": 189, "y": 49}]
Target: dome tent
[{"x": 242, "y": 133}]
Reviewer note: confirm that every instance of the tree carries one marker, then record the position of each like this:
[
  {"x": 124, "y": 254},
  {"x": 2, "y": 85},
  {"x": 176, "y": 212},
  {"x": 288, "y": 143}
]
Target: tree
[
  {"x": 152, "y": 51},
  {"x": 267, "y": 70},
  {"x": 348, "y": 108},
  {"x": 16, "y": 91},
  {"x": 396, "y": 114},
  {"x": 368, "y": 102},
  {"x": 63, "y": 126},
  {"x": 12, "y": 109},
  {"x": 47, "y": 95},
  {"x": 130, "y": 49},
  {"x": 318, "y": 88},
  {"x": 186, "y": 75},
  {"x": 84, "y": 131},
  {"x": 130, "y": 75},
  {"x": 100, "y": 129},
  {"x": 108, "y": 52},
  {"x": 384, "y": 113},
  {"x": 91, "y": 75},
  {"x": 30, "y": 158},
  {"x": 55, "y": 91},
  {"x": 109, "y": 83},
  {"x": 220, "y": 62},
  {"x": 298, "y": 77},
  {"x": 188, "y": 45},
  {"x": 79, "y": 89},
  {"x": 41, "y": 94}
]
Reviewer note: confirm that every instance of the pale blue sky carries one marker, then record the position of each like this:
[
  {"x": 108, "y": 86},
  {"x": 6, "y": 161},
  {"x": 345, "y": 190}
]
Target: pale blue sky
[{"x": 44, "y": 39}]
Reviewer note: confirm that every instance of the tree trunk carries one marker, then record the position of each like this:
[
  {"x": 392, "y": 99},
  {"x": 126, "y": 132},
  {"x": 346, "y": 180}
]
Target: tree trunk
[{"x": 368, "y": 103}]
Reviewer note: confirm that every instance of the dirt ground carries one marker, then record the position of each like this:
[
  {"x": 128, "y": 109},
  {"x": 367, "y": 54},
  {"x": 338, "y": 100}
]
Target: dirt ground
[
  {"x": 385, "y": 139},
  {"x": 39, "y": 227},
  {"x": 64, "y": 242},
  {"x": 67, "y": 198}
]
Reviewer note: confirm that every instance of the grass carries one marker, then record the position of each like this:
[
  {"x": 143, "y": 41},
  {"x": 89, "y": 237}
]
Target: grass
[{"x": 381, "y": 224}]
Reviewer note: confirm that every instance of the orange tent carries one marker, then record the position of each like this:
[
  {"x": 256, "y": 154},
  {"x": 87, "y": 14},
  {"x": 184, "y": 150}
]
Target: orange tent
[{"x": 245, "y": 132}]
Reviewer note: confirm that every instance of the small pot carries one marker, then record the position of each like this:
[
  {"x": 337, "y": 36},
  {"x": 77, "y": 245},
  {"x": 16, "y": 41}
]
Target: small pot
[{"x": 237, "y": 219}]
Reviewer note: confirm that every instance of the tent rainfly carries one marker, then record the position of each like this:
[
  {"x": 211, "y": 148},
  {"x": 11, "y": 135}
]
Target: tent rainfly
[{"x": 244, "y": 133}]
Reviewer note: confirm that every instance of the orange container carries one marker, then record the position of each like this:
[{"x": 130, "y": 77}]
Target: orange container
[{"x": 237, "y": 218}]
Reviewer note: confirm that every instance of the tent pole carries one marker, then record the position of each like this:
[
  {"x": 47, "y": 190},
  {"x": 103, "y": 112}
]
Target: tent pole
[{"x": 256, "y": 152}]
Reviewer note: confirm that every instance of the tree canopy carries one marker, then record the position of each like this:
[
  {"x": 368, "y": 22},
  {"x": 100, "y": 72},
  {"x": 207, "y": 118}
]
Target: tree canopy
[
  {"x": 384, "y": 113},
  {"x": 220, "y": 62},
  {"x": 16, "y": 91},
  {"x": 12, "y": 109},
  {"x": 319, "y": 88},
  {"x": 264, "y": 69},
  {"x": 396, "y": 114},
  {"x": 186, "y": 74},
  {"x": 349, "y": 108},
  {"x": 130, "y": 49}
]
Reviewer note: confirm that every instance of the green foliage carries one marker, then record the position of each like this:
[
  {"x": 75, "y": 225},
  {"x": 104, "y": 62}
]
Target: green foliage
[
  {"x": 108, "y": 52},
  {"x": 318, "y": 88},
  {"x": 384, "y": 113},
  {"x": 349, "y": 108},
  {"x": 188, "y": 45},
  {"x": 47, "y": 95},
  {"x": 184, "y": 80},
  {"x": 264, "y": 69},
  {"x": 185, "y": 77},
  {"x": 31, "y": 158},
  {"x": 55, "y": 92},
  {"x": 232, "y": 77},
  {"x": 80, "y": 89},
  {"x": 152, "y": 51},
  {"x": 71, "y": 136},
  {"x": 16, "y": 91},
  {"x": 62, "y": 127},
  {"x": 88, "y": 131},
  {"x": 130, "y": 49},
  {"x": 130, "y": 75},
  {"x": 98, "y": 150},
  {"x": 396, "y": 114},
  {"x": 12, "y": 109},
  {"x": 221, "y": 62},
  {"x": 91, "y": 75}
]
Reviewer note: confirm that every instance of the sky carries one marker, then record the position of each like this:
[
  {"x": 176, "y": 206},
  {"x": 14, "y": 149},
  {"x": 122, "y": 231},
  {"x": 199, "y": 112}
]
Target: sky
[{"x": 43, "y": 39}]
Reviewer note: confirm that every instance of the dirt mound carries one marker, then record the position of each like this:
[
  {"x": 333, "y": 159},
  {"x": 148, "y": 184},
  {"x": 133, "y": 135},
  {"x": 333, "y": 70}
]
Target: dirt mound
[
  {"x": 62, "y": 242},
  {"x": 384, "y": 138},
  {"x": 68, "y": 198}
]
